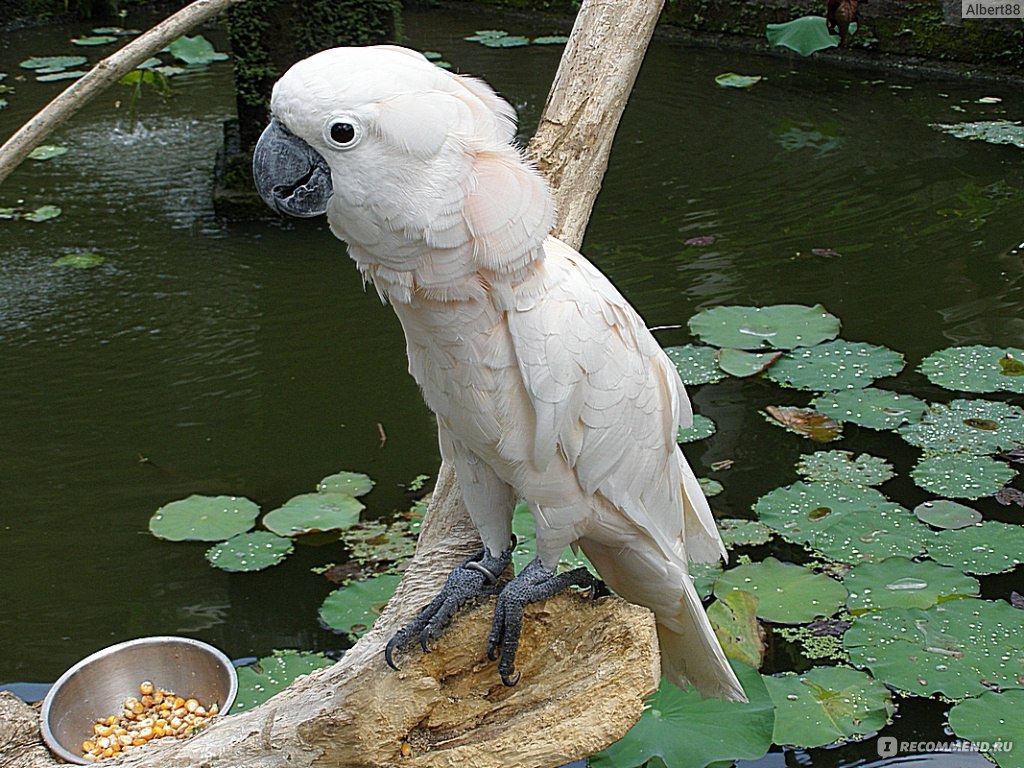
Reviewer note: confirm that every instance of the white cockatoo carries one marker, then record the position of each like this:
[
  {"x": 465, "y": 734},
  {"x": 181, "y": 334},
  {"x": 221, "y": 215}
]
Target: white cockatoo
[{"x": 546, "y": 384}]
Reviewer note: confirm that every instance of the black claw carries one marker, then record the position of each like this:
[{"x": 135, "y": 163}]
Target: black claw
[{"x": 510, "y": 681}]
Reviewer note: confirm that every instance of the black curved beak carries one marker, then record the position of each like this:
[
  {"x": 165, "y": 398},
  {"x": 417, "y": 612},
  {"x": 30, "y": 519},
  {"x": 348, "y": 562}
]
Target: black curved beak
[{"x": 291, "y": 177}]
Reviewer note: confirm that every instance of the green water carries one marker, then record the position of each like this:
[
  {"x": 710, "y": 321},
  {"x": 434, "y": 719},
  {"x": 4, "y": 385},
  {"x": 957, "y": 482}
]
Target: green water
[{"x": 221, "y": 357}]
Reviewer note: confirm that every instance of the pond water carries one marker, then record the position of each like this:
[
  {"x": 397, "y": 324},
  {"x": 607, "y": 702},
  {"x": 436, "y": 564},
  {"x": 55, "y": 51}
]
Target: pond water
[{"x": 245, "y": 358}]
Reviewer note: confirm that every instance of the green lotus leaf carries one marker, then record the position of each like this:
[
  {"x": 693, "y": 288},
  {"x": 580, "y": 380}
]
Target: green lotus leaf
[
  {"x": 835, "y": 365},
  {"x": 845, "y": 522},
  {"x": 993, "y": 719},
  {"x": 782, "y": 326},
  {"x": 702, "y": 427},
  {"x": 710, "y": 487},
  {"x": 962, "y": 475},
  {"x": 682, "y": 730},
  {"x": 738, "y": 532},
  {"x": 375, "y": 542},
  {"x": 733, "y": 80},
  {"x": 989, "y": 547},
  {"x": 204, "y": 518},
  {"x": 805, "y": 35},
  {"x": 53, "y": 63},
  {"x": 352, "y": 483},
  {"x": 704, "y": 576},
  {"x": 79, "y": 260},
  {"x": 43, "y": 213},
  {"x": 47, "y": 152},
  {"x": 70, "y": 74},
  {"x": 550, "y": 40},
  {"x": 696, "y": 364},
  {"x": 841, "y": 467},
  {"x": 734, "y": 619},
  {"x": 311, "y": 512},
  {"x": 897, "y": 582},
  {"x": 737, "y": 362},
  {"x": 943, "y": 513},
  {"x": 94, "y": 40},
  {"x": 117, "y": 31},
  {"x": 827, "y": 705},
  {"x": 991, "y": 131},
  {"x": 259, "y": 681},
  {"x": 972, "y": 426},
  {"x": 788, "y": 594},
  {"x": 484, "y": 34},
  {"x": 353, "y": 608},
  {"x": 871, "y": 407},
  {"x": 955, "y": 649},
  {"x": 976, "y": 369},
  {"x": 251, "y": 551},
  {"x": 195, "y": 51}
]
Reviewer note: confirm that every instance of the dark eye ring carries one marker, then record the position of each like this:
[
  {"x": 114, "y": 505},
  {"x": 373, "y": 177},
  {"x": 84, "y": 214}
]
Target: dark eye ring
[{"x": 342, "y": 132}]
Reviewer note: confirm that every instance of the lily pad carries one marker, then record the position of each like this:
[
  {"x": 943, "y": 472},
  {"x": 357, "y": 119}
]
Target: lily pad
[
  {"x": 734, "y": 619},
  {"x": 550, "y": 40},
  {"x": 53, "y": 63},
  {"x": 704, "y": 576},
  {"x": 962, "y": 475},
  {"x": 827, "y": 705},
  {"x": 805, "y": 35},
  {"x": 989, "y": 547},
  {"x": 991, "y": 131},
  {"x": 972, "y": 426},
  {"x": 259, "y": 681},
  {"x": 312, "y": 512},
  {"x": 376, "y": 543},
  {"x": 995, "y": 720},
  {"x": 702, "y": 427},
  {"x": 79, "y": 260},
  {"x": 352, "y": 609},
  {"x": 955, "y": 649},
  {"x": 498, "y": 38},
  {"x": 42, "y": 213},
  {"x": 943, "y": 513},
  {"x": 251, "y": 551},
  {"x": 788, "y": 594},
  {"x": 71, "y": 74},
  {"x": 897, "y": 582},
  {"x": 682, "y": 730},
  {"x": 842, "y": 467},
  {"x": 805, "y": 422},
  {"x": 710, "y": 487},
  {"x": 733, "y": 80},
  {"x": 195, "y": 51},
  {"x": 204, "y": 518},
  {"x": 835, "y": 365},
  {"x": 871, "y": 407},
  {"x": 738, "y": 532},
  {"x": 696, "y": 364},
  {"x": 845, "y": 522},
  {"x": 352, "y": 483},
  {"x": 737, "y": 362},
  {"x": 976, "y": 369},
  {"x": 94, "y": 40},
  {"x": 781, "y": 326},
  {"x": 47, "y": 152}
]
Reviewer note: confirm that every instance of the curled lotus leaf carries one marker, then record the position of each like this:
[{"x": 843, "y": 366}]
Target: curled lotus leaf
[
  {"x": 805, "y": 35},
  {"x": 737, "y": 362},
  {"x": 259, "y": 681},
  {"x": 976, "y": 368},
  {"x": 352, "y": 483},
  {"x": 944, "y": 513},
  {"x": 996, "y": 719},
  {"x": 897, "y": 582},
  {"x": 204, "y": 518},
  {"x": 734, "y": 80},
  {"x": 313, "y": 512},
  {"x": 955, "y": 649},
  {"x": 871, "y": 407},
  {"x": 353, "y": 608},
  {"x": 842, "y": 467},
  {"x": 971, "y": 426},
  {"x": 252, "y": 551},
  {"x": 195, "y": 51},
  {"x": 962, "y": 475},
  {"x": 788, "y": 594},
  {"x": 827, "y": 705},
  {"x": 702, "y": 427},
  {"x": 696, "y": 364},
  {"x": 989, "y": 547},
  {"x": 781, "y": 326},
  {"x": 836, "y": 365}
]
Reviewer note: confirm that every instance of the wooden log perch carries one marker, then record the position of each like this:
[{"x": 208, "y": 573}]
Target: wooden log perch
[{"x": 586, "y": 665}]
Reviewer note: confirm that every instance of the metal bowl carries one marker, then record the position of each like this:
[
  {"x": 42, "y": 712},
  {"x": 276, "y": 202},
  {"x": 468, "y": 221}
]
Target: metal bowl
[{"x": 97, "y": 686}]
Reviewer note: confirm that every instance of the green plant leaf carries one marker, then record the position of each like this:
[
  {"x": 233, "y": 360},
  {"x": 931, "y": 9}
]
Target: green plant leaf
[
  {"x": 737, "y": 362},
  {"x": 734, "y": 619},
  {"x": 871, "y": 407},
  {"x": 42, "y": 213},
  {"x": 835, "y": 365},
  {"x": 94, "y": 40},
  {"x": 827, "y": 705},
  {"x": 943, "y": 513},
  {"x": 976, "y": 369},
  {"x": 704, "y": 576},
  {"x": 195, "y": 51},
  {"x": 204, "y": 518},
  {"x": 781, "y": 326},
  {"x": 710, "y": 487},
  {"x": 685, "y": 731},
  {"x": 696, "y": 364},
  {"x": 79, "y": 260},
  {"x": 47, "y": 152},
  {"x": 788, "y": 594},
  {"x": 251, "y": 551},
  {"x": 311, "y": 512},
  {"x": 962, "y": 475},
  {"x": 738, "y": 532},
  {"x": 733, "y": 80},
  {"x": 53, "y": 63},
  {"x": 841, "y": 467},
  {"x": 71, "y": 74},
  {"x": 971, "y": 426},
  {"x": 353, "y": 608},
  {"x": 991, "y": 131},
  {"x": 956, "y": 649},
  {"x": 897, "y": 582},
  {"x": 989, "y": 547},
  {"x": 352, "y": 483},
  {"x": 995, "y": 719},
  {"x": 702, "y": 427},
  {"x": 805, "y": 35},
  {"x": 259, "y": 681},
  {"x": 550, "y": 40}
]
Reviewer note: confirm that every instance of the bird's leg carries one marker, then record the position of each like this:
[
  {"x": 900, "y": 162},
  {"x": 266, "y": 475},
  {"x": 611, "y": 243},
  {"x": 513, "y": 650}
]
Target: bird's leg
[
  {"x": 476, "y": 576},
  {"x": 534, "y": 583}
]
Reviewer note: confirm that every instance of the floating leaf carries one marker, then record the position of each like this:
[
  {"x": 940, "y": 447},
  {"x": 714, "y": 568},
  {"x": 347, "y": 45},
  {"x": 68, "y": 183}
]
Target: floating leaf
[
  {"x": 194, "y": 50},
  {"x": 957, "y": 648},
  {"x": 805, "y": 35},
  {"x": 989, "y": 547},
  {"x": 841, "y": 467},
  {"x": 53, "y": 63},
  {"x": 805, "y": 422},
  {"x": 352, "y": 609},
  {"x": 94, "y": 40},
  {"x": 696, "y": 364},
  {"x": 962, "y": 475},
  {"x": 976, "y": 369},
  {"x": 498, "y": 38},
  {"x": 682, "y": 730},
  {"x": 251, "y": 551},
  {"x": 733, "y": 80},
  {"x": 204, "y": 518},
  {"x": 700, "y": 241},
  {"x": 1008, "y": 496},
  {"x": 79, "y": 260},
  {"x": 788, "y": 594},
  {"x": 995, "y": 719},
  {"x": 736, "y": 362},
  {"x": 738, "y": 532},
  {"x": 118, "y": 31},
  {"x": 311, "y": 512},
  {"x": 710, "y": 487},
  {"x": 734, "y": 619},
  {"x": 826, "y": 705},
  {"x": 702, "y": 427},
  {"x": 42, "y": 213},
  {"x": 47, "y": 152},
  {"x": 943, "y": 513},
  {"x": 973, "y": 426},
  {"x": 835, "y": 365},
  {"x": 781, "y": 326},
  {"x": 871, "y": 407},
  {"x": 72, "y": 74},
  {"x": 550, "y": 40},
  {"x": 259, "y": 681},
  {"x": 991, "y": 131},
  {"x": 352, "y": 483},
  {"x": 897, "y": 582},
  {"x": 704, "y": 576},
  {"x": 375, "y": 542}
]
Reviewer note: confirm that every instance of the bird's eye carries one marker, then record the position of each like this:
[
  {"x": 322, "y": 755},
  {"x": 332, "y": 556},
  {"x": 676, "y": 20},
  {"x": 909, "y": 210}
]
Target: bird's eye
[{"x": 342, "y": 133}]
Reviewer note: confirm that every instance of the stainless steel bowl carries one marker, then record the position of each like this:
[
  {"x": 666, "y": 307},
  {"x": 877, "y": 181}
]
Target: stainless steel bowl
[{"x": 98, "y": 685}]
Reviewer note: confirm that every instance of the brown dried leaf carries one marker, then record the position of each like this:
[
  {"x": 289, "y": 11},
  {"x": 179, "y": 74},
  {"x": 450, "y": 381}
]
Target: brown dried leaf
[{"x": 807, "y": 422}]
